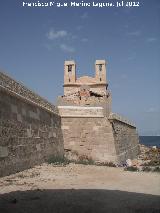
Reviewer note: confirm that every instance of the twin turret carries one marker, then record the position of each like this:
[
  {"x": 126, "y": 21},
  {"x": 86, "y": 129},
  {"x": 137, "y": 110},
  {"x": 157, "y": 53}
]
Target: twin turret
[
  {"x": 96, "y": 84},
  {"x": 86, "y": 90},
  {"x": 70, "y": 73}
]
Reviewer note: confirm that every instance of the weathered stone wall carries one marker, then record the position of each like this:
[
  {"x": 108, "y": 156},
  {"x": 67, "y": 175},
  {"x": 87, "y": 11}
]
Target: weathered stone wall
[
  {"x": 30, "y": 128},
  {"x": 92, "y": 101},
  {"x": 125, "y": 137},
  {"x": 69, "y": 90},
  {"x": 99, "y": 89},
  {"x": 89, "y": 128},
  {"x": 87, "y": 131},
  {"x": 91, "y": 137},
  {"x": 77, "y": 111},
  {"x": 18, "y": 89}
]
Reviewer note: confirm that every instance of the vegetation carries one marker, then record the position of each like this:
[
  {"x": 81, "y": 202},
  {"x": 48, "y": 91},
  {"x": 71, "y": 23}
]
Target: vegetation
[
  {"x": 109, "y": 164},
  {"x": 151, "y": 169},
  {"x": 82, "y": 159},
  {"x": 55, "y": 160},
  {"x": 131, "y": 168},
  {"x": 156, "y": 169},
  {"x": 146, "y": 169}
]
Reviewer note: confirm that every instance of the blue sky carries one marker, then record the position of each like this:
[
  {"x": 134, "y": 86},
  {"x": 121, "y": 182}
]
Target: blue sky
[{"x": 34, "y": 42}]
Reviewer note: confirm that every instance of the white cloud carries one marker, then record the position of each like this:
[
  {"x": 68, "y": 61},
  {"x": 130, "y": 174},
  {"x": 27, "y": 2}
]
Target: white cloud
[
  {"x": 134, "y": 33},
  {"x": 80, "y": 27},
  {"x": 124, "y": 76},
  {"x": 152, "y": 39},
  {"x": 84, "y": 15},
  {"x": 73, "y": 37},
  {"x": 67, "y": 48},
  {"x": 126, "y": 26},
  {"x": 132, "y": 57},
  {"x": 53, "y": 34},
  {"x": 84, "y": 39},
  {"x": 60, "y": 36},
  {"x": 152, "y": 110},
  {"x": 47, "y": 46}
]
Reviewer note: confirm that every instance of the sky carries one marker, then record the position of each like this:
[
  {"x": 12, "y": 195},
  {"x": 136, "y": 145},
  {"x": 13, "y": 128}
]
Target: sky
[{"x": 35, "y": 42}]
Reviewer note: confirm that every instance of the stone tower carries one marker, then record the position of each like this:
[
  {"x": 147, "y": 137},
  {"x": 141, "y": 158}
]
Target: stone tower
[
  {"x": 86, "y": 91},
  {"x": 89, "y": 127},
  {"x": 97, "y": 84},
  {"x": 69, "y": 72},
  {"x": 100, "y": 71}
]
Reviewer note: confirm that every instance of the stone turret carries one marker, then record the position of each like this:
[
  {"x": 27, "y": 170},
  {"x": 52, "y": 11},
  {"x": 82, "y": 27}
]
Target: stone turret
[
  {"x": 100, "y": 71},
  {"x": 97, "y": 84},
  {"x": 69, "y": 72},
  {"x": 86, "y": 90}
]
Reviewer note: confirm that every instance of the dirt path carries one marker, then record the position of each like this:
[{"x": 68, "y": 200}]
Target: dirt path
[{"x": 79, "y": 188}]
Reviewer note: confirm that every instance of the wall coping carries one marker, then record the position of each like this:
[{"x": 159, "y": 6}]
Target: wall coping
[
  {"x": 17, "y": 89},
  {"x": 114, "y": 116}
]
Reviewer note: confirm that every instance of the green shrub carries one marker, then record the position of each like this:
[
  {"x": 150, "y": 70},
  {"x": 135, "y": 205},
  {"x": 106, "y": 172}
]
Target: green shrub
[
  {"x": 56, "y": 160},
  {"x": 109, "y": 164},
  {"x": 156, "y": 169},
  {"x": 83, "y": 159},
  {"x": 131, "y": 168},
  {"x": 146, "y": 169}
]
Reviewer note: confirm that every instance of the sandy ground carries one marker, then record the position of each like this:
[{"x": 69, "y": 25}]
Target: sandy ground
[{"x": 79, "y": 188}]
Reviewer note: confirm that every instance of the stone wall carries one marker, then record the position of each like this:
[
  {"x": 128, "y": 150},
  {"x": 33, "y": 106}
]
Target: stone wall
[
  {"x": 91, "y": 137},
  {"x": 125, "y": 137},
  {"x": 75, "y": 111},
  {"x": 30, "y": 128},
  {"x": 21, "y": 91},
  {"x": 91, "y": 101},
  {"x": 88, "y": 132}
]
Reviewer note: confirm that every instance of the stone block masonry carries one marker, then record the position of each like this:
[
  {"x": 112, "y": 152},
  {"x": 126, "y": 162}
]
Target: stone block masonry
[
  {"x": 88, "y": 132},
  {"x": 30, "y": 128},
  {"x": 17, "y": 89},
  {"x": 88, "y": 124},
  {"x": 125, "y": 138}
]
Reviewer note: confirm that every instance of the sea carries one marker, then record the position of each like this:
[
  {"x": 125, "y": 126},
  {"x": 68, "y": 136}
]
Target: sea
[{"x": 150, "y": 140}]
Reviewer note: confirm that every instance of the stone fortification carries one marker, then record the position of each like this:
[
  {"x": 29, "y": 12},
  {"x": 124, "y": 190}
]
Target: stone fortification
[
  {"x": 17, "y": 89},
  {"x": 88, "y": 132},
  {"x": 89, "y": 127},
  {"x": 30, "y": 128}
]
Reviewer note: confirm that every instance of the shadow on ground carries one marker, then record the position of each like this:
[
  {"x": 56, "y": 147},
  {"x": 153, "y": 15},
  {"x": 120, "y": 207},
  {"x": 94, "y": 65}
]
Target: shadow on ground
[{"x": 78, "y": 201}]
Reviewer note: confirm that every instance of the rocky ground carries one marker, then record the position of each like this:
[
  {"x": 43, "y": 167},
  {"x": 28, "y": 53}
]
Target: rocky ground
[
  {"x": 76, "y": 188},
  {"x": 148, "y": 160}
]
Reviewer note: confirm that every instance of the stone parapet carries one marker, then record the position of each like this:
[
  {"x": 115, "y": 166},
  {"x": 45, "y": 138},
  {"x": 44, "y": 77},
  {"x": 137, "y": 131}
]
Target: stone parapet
[
  {"x": 114, "y": 116},
  {"x": 17, "y": 89}
]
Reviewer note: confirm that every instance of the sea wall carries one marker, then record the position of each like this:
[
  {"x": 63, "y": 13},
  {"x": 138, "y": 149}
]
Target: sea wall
[{"x": 30, "y": 128}]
